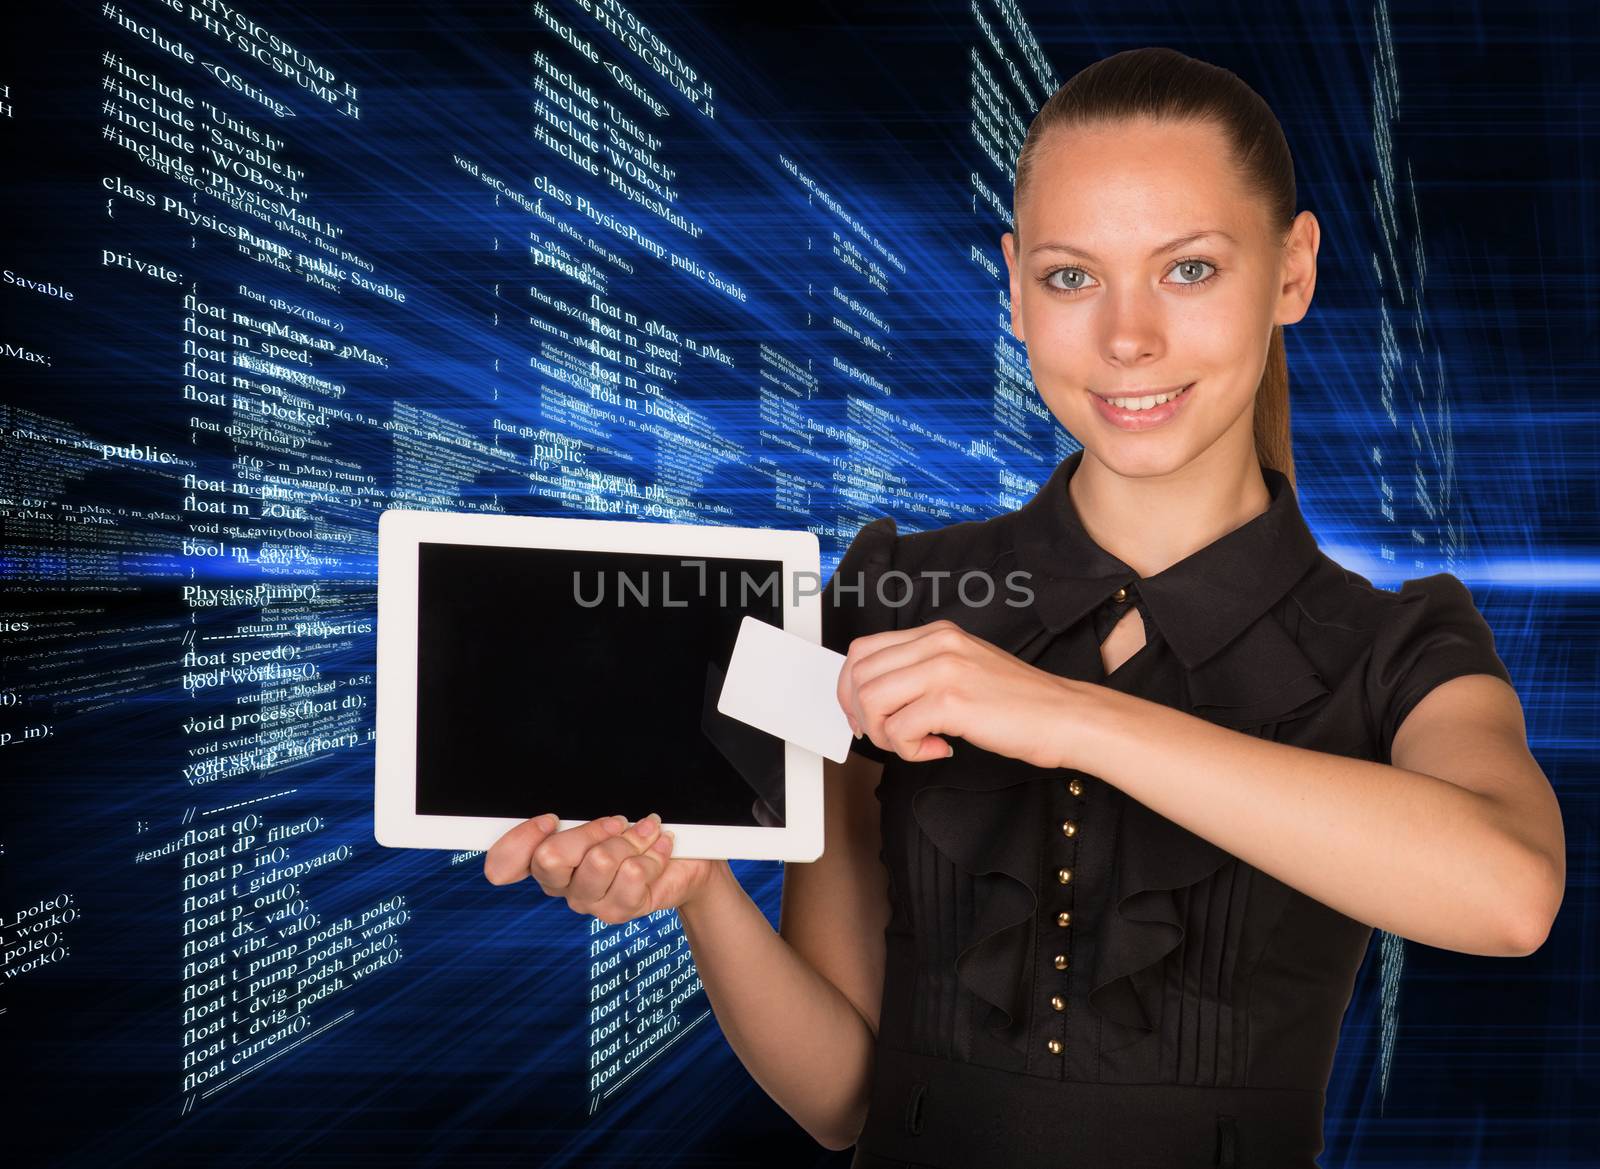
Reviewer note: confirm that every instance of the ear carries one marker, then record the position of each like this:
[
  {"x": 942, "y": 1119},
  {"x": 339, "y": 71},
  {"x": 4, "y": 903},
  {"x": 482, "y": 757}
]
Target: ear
[
  {"x": 1298, "y": 270},
  {"x": 1008, "y": 246}
]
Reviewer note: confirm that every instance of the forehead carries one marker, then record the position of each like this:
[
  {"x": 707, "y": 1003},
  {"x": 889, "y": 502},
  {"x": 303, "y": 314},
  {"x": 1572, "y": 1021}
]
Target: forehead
[{"x": 1119, "y": 188}]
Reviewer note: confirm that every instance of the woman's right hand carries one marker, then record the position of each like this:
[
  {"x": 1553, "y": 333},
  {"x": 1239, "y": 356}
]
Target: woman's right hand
[{"x": 602, "y": 867}]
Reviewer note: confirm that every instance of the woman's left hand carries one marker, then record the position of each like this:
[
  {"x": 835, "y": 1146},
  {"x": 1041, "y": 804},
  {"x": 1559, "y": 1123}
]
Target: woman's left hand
[{"x": 904, "y": 688}]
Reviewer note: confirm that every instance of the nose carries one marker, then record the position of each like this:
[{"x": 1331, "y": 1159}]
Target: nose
[{"x": 1133, "y": 331}]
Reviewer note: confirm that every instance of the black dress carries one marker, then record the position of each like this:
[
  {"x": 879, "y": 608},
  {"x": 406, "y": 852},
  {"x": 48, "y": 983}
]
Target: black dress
[{"x": 1072, "y": 979}]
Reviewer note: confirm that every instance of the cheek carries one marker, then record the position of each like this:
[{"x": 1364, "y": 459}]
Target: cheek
[
  {"x": 1060, "y": 343},
  {"x": 1213, "y": 333}
]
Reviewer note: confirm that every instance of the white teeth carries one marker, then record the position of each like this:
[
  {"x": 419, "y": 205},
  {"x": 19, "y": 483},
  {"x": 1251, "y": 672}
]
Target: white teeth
[{"x": 1144, "y": 403}]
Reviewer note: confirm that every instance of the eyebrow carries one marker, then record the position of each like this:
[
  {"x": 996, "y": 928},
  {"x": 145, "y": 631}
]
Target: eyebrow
[{"x": 1166, "y": 247}]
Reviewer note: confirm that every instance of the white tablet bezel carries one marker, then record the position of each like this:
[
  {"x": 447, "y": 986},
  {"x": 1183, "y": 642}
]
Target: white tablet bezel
[{"x": 396, "y": 823}]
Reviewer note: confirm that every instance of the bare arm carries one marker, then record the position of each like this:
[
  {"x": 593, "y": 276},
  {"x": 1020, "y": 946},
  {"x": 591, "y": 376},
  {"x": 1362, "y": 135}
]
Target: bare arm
[
  {"x": 1456, "y": 844},
  {"x": 800, "y": 1006}
]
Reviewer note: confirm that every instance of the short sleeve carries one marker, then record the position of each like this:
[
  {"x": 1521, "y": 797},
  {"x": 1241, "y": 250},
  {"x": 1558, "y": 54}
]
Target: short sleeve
[
  {"x": 852, "y": 604},
  {"x": 1433, "y": 634}
]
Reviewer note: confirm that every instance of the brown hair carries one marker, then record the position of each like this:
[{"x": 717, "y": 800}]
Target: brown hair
[{"x": 1162, "y": 83}]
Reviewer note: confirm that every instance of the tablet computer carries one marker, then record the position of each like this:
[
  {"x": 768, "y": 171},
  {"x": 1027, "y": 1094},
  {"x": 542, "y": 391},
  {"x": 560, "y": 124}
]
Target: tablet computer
[{"x": 532, "y": 664}]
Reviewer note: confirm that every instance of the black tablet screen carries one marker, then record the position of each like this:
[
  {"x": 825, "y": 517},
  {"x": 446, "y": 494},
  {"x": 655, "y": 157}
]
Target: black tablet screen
[{"x": 586, "y": 683}]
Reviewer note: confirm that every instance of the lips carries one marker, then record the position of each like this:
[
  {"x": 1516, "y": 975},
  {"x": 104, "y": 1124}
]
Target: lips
[{"x": 1143, "y": 419}]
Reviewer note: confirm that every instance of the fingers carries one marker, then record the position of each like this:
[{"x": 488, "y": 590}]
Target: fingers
[
  {"x": 927, "y": 671},
  {"x": 599, "y": 866},
  {"x": 843, "y": 692},
  {"x": 602, "y": 867},
  {"x": 907, "y": 729},
  {"x": 875, "y": 654},
  {"x": 533, "y": 848},
  {"x": 645, "y": 832},
  {"x": 506, "y": 862},
  {"x": 632, "y": 891}
]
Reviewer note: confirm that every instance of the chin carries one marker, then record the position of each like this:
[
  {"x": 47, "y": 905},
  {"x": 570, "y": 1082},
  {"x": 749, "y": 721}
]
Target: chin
[
  {"x": 1136, "y": 456},
  {"x": 1148, "y": 460}
]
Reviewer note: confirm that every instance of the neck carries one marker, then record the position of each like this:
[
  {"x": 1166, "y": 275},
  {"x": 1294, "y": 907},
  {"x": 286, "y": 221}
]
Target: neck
[{"x": 1151, "y": 522}]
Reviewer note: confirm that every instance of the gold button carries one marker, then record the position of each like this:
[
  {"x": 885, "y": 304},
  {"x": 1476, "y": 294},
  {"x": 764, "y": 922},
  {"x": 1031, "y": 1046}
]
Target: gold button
[
  {"x": 1120, "y": 595},
  {"x": 1058, "y": 1002},
  {"x": 1055, "y": 1046},
  {"x": 1075, "y": 787},
  {"x": 1061, "y": 961},
  {"x": 1063, "y": 875},
  {"x": 1063, "y": 918},
  {"x": 1068, "y": 828}
]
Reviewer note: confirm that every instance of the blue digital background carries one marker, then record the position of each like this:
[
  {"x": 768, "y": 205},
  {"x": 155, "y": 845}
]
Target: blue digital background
[{"x": 1442, "y": 148}]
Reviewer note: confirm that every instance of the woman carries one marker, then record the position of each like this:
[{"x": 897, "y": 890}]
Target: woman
[{"x": 1120, "y": 821}]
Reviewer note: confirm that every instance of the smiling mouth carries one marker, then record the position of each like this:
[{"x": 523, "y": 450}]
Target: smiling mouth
[{"x": 1143, "y": 399}]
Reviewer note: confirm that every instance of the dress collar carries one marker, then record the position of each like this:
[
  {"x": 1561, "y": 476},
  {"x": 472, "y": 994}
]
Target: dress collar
[{"x": 1201, "y": 603}]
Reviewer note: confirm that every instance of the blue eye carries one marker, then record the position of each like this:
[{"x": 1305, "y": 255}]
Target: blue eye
[
  {"x": 1182, "y": 264},
  {"x": 1046, "y": 280},
  {"x": 1078, "y": 274}
]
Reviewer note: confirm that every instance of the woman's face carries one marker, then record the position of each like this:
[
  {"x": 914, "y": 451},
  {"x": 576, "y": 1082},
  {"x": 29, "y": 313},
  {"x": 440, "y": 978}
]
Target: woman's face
[{"x": 1108, "y": 309}]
